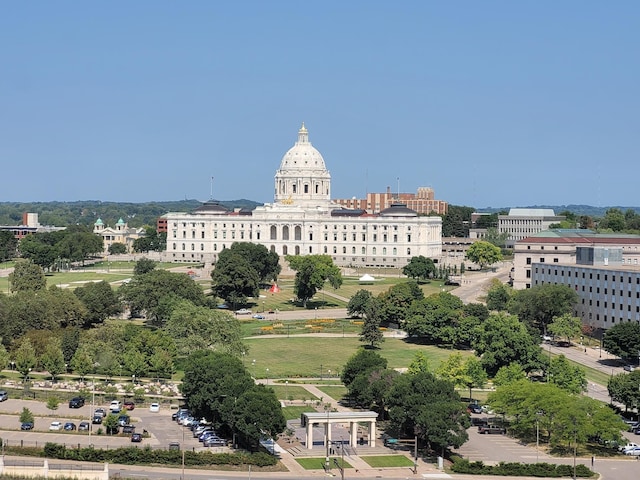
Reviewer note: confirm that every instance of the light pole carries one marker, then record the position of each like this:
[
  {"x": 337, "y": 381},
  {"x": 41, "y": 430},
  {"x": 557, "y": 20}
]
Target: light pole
[
  {"x": 182, "y": 476},
  {"x": 327, "y": 465},
  {"x": 267, "y": 376},
  {"x": 286, "y": 390},
  {"x": 537, "y": 438}
]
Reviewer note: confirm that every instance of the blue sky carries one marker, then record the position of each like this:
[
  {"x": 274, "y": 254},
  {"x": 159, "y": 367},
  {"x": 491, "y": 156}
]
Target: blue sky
[{"x": 492, "y": 103}]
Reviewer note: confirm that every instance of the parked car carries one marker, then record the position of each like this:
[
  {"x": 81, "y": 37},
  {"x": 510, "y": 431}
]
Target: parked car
[
  {"x": 128, "y": 429},
  {"x": 76, "y": 402},
  {"x": 488, "y": 429},
  {"x": 129, "y": 405},
  {"x": 474, "y": 408},
  {"x": 55, "y": 426},
  {"x": 487, "y": 409},
  {"x": 629, "y": 368},
  {"x": 179, "y": 413},
  {"x": 154, "y": 407},
  {"x": 97, "y": 419},
  {"x": 84, "y": 427},
  {"x": 243, "y": 311},
  {"x": 26, "y": 426},
  {"x": 100, "y": 411},
  {"x": 214, "y": 442},
  {"x": 635, "y": 451},
  {"x": 257, "y": 316},
  {"x": 69, "y": 426},
  {"x": 3, "y": 395},
  {"x": 622, "y": 448},
  {"x": 136, "y": 438},
  {"x": 477, "y": 421},
  {"x": 115, "y": 406},
  {"x": 123, "y": 420}
]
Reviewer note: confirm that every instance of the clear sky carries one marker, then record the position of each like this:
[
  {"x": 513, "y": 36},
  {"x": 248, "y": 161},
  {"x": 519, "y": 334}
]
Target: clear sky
[{"x": 491, "y": 103}]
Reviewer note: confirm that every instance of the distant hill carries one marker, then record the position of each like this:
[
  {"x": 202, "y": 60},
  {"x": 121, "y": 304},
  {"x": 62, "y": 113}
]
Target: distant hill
[
  {"x": 86, "y": 212},
  {"x": 577, "y": 209}
]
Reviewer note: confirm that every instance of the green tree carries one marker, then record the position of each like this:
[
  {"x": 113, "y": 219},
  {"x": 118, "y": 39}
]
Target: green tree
[
  {"x": 234, "y": 279},
  {"x": 100, "y": 300},
  {"x": 498, "y": 295},
  {"x": 455, "y": 223},
  {"x": 145, "y": 292},
  {"x": 565, "y": 326},
  {"x": 419, "y": 268},
  {"x": 537, "y": 306},
  {"x": 508, "y": 374},
  {"x": 312, "y": 271},
  {"x": 503, "y": 339},
  {"x": 110, "y": 423},
  {"x": 53, "y": 403},
  {"x": 25, "y": 358},
  {"x": 397, "y": 300},
  {"x": 258, "y": 412},
  {"x": 623, "y": 340},
  {"x": 566, "y": 375},
  {"x": 623, "y": 388},
  {"x": 8, "y": 246},
  {"x": 420, "y": 404},
  {"x": 496, "y": 238},
  {"x": 69, "y": 343},
  {"x": 359, "y": 363},
  {"x": 117, "y": 248},
  {"x": 144, "y": 265},
  {"x": 80, "y": 245},
  {"x": 357, "y": 303},
  {"x": 82, "y": 362},
  {"x": 26, "y": 416},
  {"x": 4, "y": 357},
  {"x": 53, "y": 359},
  {"x": 135, "y": 363},
  {"x": 484, "y": 253},
  {"x": 613, "y": 220},
  {"x": 371, "y": 333},
  {"x": 36, "y": 249},
  {"x": 27, "y": 276},
  {"x": 420, "y": 363},
  {"x": 199, "y": 328},
  {"x": 65, "y": 307},
  {"x": 265, "y": 263}
]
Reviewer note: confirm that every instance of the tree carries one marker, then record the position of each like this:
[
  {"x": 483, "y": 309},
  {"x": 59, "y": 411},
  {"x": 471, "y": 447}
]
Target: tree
[
  {"x": 258, "y": 411},
  {"x": 69, "y": 343},
  {"x": 357, "y": 303},
  {"x": 201, "y": 328},
  {"x": 484, "y": 253},
  {"x": 508, "y": 374},
  {"x": 145, "y": 292},
  {"x": 420, "y": 363},
  {"x": 117, "y": 248},
  {"x": 265, "y": 263},
  {"x": 80, "y": 245},
  {"x": 26, "y": 416},
  {"x": 360, "y": 363},
  {"x": 53, "y": 359},
  {"x": 371, "y": 333},
  {"x": 27, "y": 276},
  {"x": 420, "y": 404},
  {"x": 52, "y": 403},
  {"x": 144, "y": 265},
  {"x": 397, "y": 300},
  {"x": 565, "y": 326},
  {"x": 35, "y": 248},
  {"x": 419, "y": 268},
  {"x": 455, "y": 223},
  {"x": 496, "y": 238},
  {"x": 4, "y": 357},
  {"x": 623, "y": 340},
  {"x": 110, "y": 423},
  {"x": 463, "y": 373},
  {"x": 82, "y": 362},
  {"x": 8, "y": 245},
  {"x": 537, "y": 306},
  {"x": 25, "y": 358},
  {"x": 312, "y": 271},
  {"x": 571, "y": 378},
  {"x": 623, "y": 388},
  {"x": 498, "y": 295},
  {"x": 234, "y": 279},
  {"x": 100, "y": 301},
  {"x": 503, "y": 339}
]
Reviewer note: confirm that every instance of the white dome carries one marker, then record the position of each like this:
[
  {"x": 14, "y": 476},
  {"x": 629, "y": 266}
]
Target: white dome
[{"x": 303, "y": 155}]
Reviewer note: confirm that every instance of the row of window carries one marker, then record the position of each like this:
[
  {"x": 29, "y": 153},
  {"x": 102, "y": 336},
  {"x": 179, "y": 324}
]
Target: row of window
[
  {"x": 374, "y": 250},
  {"x": 582, "y": 274},
  {"x": 613, "y": 305},
  {"x": 326, "y": 227}
]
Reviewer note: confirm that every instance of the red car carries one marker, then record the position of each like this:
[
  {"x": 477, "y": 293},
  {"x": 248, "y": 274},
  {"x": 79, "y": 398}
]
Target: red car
[{"x": 129, "y": 405}]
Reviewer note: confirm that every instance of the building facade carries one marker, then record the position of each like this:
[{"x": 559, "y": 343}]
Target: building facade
[
  {"x": 524, "y": 222},
  {"x": 422, "y": 202},
  {"x": 119, "y": 233},
  {"x": 303, "y": 220}
]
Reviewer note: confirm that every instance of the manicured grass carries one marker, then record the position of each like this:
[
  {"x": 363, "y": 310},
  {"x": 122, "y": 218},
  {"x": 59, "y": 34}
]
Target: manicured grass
[
  {"x": 335, "y": 392},
  {"x": 318, "y": 463},
  {"x": 251, "y": 327},
  {"x": 292, "y": 392},
  {"x": 293, "y": 412},
  {"x": 77, "y": 279},
  {"x": 305, "y": 356},
  {"x": 381, "y": 461}
]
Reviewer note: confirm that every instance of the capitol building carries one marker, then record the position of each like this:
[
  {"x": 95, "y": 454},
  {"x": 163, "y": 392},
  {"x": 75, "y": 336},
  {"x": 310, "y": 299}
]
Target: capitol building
[{"x": 303, "y": 220}]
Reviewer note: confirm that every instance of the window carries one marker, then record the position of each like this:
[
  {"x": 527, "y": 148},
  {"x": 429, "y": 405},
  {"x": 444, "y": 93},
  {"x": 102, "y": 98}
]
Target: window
[{"x": 528, "y": 260}]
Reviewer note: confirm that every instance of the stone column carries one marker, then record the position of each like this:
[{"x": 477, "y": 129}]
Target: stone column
[
  {"x": 353, "y": 430},
  {"x": 372, "y": 433},
  {"x": 309, "y": 434}
]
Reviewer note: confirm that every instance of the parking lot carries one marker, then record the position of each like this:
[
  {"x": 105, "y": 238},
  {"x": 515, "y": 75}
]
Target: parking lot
[{"x": 161, "y": 429}]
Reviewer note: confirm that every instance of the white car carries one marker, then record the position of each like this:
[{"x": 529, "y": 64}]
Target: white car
[
  {"x": 154, "y": 407},
  {"x": 55, "y": 426},
  {"x": 635, "y": 451},
  {"x": 624, "y": 448},
  {"x": 243, "y": 311},
  {"x": 115, "y": 406}
]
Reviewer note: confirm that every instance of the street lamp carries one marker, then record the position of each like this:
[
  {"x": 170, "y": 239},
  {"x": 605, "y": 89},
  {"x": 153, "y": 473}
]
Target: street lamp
[
  {"x": 267, "y": 376},
  {"x": 286, "y": 390},
  {"x": 327, "y": 465}
]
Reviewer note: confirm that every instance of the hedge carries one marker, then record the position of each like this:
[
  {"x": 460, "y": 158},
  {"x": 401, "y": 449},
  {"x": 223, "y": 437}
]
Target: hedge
[
  {"x": 547, "y": 470},
  {"x": 147, "y": 455}
]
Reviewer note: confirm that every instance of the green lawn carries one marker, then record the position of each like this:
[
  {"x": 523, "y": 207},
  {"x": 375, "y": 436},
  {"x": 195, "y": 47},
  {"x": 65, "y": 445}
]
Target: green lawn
[
  {"x": 292, "y": 392},
  {"x": 381, "y": 461},
  {"x": 318, "y": 463},
  {"x": 306, "y": 356},
  {"x": 293, "y": 412},
  {"x": 336, "y": 392}
]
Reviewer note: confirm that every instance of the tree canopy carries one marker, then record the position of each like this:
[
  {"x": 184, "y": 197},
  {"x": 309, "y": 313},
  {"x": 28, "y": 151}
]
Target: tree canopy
[
  {"x": 419, "y": 268},
  {"x": 623, "y": 340},
  {"x": 234, "y": 280},
  {"x": 537, "y": 306},
  {"x": 484, "y": 253},
  {"x": 312, "y": 271}
]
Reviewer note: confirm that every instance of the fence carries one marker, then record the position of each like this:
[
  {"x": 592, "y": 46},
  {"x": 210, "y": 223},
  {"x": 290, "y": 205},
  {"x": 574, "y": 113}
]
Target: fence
[{"x": 43, "y": 469}]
